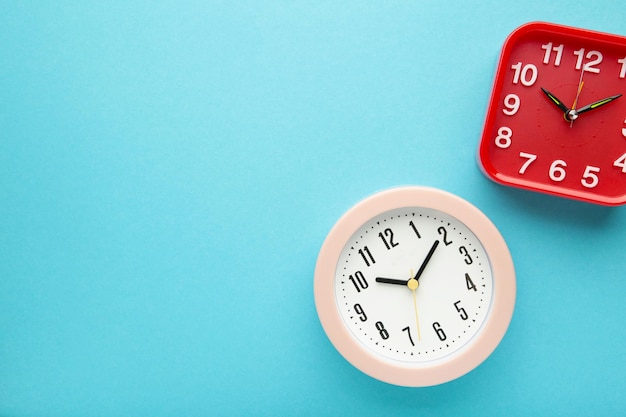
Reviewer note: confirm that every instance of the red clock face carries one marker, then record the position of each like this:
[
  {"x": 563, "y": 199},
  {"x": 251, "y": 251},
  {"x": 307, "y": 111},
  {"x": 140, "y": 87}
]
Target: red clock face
[{"x": 556, "y": 121}]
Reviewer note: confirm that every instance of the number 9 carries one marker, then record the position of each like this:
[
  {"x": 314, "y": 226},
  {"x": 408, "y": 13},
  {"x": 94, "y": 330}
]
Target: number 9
[{"x": 512, "y": 103}]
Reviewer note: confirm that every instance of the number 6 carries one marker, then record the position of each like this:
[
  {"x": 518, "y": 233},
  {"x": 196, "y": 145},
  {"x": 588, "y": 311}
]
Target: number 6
[{"x": 557, "y": 171}]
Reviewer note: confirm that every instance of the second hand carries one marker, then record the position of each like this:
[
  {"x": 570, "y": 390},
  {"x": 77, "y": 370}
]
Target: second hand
[
  {"x": 580, "y": 88},
  {"x": 413, "y": 284}
]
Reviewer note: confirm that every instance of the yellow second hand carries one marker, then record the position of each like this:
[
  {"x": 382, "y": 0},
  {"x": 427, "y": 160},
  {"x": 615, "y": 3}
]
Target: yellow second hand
[
  {"x": 413, "y": 284},
  {"x": 417, "y": 320}
]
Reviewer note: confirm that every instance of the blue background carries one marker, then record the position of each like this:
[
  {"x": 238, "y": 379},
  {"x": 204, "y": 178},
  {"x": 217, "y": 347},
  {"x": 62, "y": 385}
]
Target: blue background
[{"x": 168, "y": 173}]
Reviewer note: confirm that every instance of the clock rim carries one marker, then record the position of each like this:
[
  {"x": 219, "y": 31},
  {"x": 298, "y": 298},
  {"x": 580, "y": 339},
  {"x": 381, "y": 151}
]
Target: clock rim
[
  {"x": 457, "y": 363},
  {"x": 492, "y": 108}
]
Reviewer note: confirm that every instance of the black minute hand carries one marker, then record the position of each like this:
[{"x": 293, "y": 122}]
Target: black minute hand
[
  {"x": 597, "y": 104},
  {"x": 423, "y": 266}
]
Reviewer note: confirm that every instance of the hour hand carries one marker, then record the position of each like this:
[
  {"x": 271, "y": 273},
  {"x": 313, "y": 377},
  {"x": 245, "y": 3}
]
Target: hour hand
[
  {"x": 384, "y": 280},
  {"x": 555, "y": 100},
  {"x": 597, "y": 104}
]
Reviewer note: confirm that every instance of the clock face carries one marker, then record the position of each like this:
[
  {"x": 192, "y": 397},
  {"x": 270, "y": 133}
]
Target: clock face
[
  {"x": 556, "y": 121},
  {"x": 414, "y": 286},
  {"x": 450, "y": 303}
]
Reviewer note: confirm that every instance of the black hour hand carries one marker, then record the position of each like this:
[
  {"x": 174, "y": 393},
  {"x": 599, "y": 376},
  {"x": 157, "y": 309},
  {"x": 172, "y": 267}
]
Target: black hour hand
[
  {"x": 384, "y": 280},
  {"x": 555, "y": 100}
]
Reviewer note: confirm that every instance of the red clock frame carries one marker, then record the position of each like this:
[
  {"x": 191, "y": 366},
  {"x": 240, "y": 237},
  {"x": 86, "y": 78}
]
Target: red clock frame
[{"x": 528, "y": 142}]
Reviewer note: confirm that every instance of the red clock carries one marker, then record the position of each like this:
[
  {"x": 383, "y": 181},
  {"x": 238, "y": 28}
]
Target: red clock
[{"x": 556, "y": 123}]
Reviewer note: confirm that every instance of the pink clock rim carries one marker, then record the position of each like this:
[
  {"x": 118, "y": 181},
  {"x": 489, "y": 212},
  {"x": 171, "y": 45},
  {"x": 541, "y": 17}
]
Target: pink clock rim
[{"x": 455, "y": 365}]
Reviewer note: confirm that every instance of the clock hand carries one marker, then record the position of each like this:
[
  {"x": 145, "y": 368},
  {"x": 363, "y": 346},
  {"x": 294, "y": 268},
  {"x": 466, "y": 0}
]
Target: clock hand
[
  {"x": 580, "y": 89},
  {"x": 413, "y": 284},
  {"x": 572, "y": 114},
  {"x": 391, "y": 281},
  {"x": 597, "y": 104},
  {"x": 423, "y": 266},
  {"x": 556, "y": 101},
  {"x": 384, "y": 280}
]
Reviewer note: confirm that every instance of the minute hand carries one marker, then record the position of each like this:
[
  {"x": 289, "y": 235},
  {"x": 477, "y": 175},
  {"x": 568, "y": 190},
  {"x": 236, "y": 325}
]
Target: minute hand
[
  {"x": 430, "y": 255},
  {"x": 597, "y": 104}
]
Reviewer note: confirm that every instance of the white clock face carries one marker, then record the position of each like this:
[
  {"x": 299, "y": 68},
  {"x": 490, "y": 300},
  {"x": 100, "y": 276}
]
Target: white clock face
[{"x": 404, "y": 319}]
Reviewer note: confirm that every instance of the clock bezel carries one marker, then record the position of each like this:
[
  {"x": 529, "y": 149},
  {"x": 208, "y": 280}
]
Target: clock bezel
[
  {"x": 494, "y": 107},
  {"x": 457, "y": 363}
]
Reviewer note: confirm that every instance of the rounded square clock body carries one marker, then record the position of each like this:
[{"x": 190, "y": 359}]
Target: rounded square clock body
[{"x": 556, "y": 121}]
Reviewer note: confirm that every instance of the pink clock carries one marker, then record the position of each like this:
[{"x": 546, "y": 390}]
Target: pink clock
[
  {"x": 414, "y": 286},
  {"x": 556, "y": 122}
]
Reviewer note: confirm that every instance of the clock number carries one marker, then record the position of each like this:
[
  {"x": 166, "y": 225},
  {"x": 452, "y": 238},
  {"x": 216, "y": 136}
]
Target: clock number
[
  {"x": 624, "y": 130},
  {"x": 381, "y": 329},
  {"x": 557, "y": 170},
  {"x": 359, "y": 310},
  {"x": 621, "y": 163},
  {"x": 512, "y": 103},
  {"x": 463, "y": 251},
  {"x": 461, "y": 310},
  {"x": 442, "y": 231},
  {"x": 415, "y": 229},
  {"x": 594, "y": 56},
  {"x": 530, "y": 159},
  {"x": 388, "y": 233},
  {"x": 526, "y": 74},
  {"x": 549, "y": 48},
  {"x": 367, "y": 256},
  {"x": 359, "y": 281},
  {"x": 440, "y": 333},
  {"x": 590, "y": 179},
  {"x": 622, "y": 61},
  {"x": 589, "y": 66},
  {"x": 408, "y": 332},
  {"x": 469, "y": 283},
  {"x": 503, "y": 140}
]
